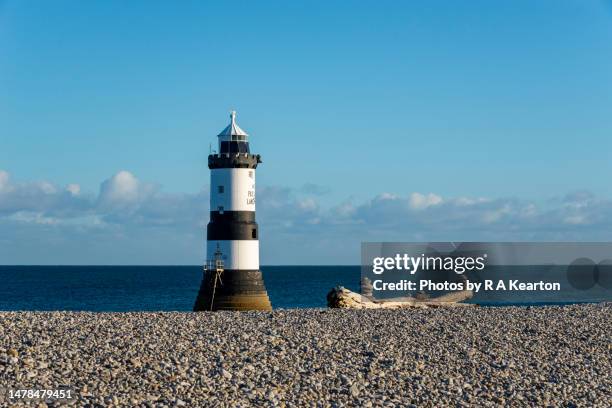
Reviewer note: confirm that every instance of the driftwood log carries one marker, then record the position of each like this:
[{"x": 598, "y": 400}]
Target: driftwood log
[{"x": 343, "y": 298}]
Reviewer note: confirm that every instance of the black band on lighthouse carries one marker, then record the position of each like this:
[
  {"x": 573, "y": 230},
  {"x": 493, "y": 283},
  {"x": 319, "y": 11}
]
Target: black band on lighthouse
[
  {"x": 242, "y": 282},
  {"x": 226, "y": 231},
  {"x": 233, "y": 161},
  {"x": 232, "y": 216}
]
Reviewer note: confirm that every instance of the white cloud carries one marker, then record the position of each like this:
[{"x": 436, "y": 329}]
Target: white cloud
[
  {"x": 419, "y": 201},
  {"x": 496, "y": 214},
  {"x": 307, "y": 204},
  {"x": 344, "y": 210},
  {"x": 73, "y": 189},
  {"x": 47, "y": 187},
  {"x": 121, "y": 189},
  {"x": 42, "y": 197},
  {"x": 469, "y": 201},
  {"x": 4, "y": 180},
  {"x": 29, "y": 217},
  {"x": 386, "y": 197},
  {"x": 575, "y": 220}
]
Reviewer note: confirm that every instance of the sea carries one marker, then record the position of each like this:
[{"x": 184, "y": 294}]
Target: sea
[
  {"x": 174, "y": 288},
  {"x": 154, "y": 288}
]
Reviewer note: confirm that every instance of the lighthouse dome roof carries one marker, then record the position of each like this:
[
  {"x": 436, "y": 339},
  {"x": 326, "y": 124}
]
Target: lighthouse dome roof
[{"x": 232, "y": 129}]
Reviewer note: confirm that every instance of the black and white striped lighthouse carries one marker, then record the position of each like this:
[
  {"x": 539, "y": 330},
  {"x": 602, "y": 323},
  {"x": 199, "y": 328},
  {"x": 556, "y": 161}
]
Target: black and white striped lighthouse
[{"x": 232, "y": 279}]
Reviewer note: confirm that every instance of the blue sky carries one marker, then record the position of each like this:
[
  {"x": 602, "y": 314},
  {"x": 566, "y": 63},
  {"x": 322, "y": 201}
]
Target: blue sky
[{"x": 376, "y": 121}]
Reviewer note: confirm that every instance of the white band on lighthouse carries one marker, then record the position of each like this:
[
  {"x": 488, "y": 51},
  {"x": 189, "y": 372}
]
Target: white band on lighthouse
[
  {"x": 232, "y": 189},
  {"x": 237, "y": 254}
]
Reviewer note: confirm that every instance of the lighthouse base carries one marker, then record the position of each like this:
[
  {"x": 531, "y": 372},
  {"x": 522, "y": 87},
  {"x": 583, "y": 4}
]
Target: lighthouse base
[{"x": 232, "y": 290}]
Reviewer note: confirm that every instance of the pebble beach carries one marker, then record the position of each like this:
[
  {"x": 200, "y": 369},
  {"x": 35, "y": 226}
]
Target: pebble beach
[{"x": 480, "y": 356}]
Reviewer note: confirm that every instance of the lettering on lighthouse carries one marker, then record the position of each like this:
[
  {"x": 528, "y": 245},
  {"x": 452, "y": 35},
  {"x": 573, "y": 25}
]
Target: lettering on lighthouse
[{"x": 251, "y": 196}]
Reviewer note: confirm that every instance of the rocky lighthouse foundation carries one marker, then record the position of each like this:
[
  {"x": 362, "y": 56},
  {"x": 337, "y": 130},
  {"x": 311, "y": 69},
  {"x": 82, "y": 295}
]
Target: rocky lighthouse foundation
[{"x": 232, "y": 279}]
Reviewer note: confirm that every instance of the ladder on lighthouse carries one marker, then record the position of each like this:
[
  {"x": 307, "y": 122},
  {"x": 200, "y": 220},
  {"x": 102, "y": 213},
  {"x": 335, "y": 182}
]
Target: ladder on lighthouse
[{"x": 215, "y": 266}]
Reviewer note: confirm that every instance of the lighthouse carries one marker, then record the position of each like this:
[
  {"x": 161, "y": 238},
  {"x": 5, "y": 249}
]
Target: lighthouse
[{"x": 232, "y": 279}]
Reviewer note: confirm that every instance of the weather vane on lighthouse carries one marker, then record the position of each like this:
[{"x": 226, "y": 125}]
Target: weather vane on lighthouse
[{"x": 232, "y": 279}]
